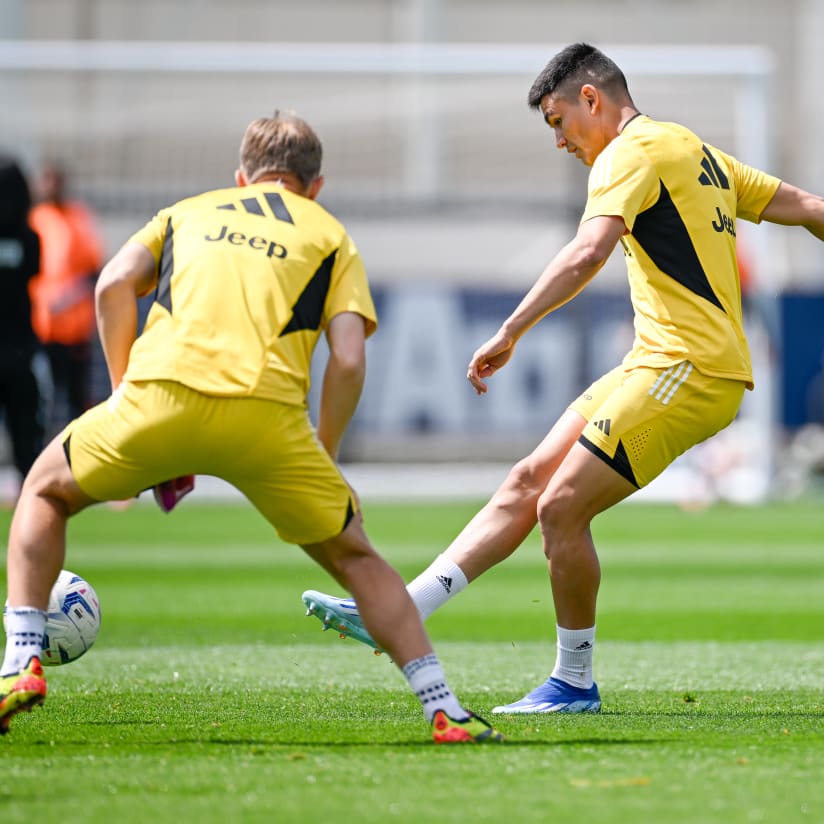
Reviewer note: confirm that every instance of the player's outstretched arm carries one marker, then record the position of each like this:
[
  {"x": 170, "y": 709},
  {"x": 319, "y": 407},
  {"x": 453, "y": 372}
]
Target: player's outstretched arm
[
  {"x": 792, "y": 206},
  {"x": 565, "y": 276}
]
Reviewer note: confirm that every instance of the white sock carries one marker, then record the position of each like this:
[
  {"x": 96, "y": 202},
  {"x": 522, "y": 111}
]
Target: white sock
[
  {"x": 573, "y": 663},
  {"x": 426, "y": 678},
  {"x": 24, "y": 637},
  {"x": 436, "y": 585}
]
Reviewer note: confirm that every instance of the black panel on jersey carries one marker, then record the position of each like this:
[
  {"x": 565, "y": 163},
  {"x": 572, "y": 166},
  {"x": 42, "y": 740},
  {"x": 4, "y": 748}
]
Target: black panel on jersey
[
  {"x": 67, "y": 450},
  {"x": 166, "y": 268},
  {"x": 278, "y": 207},
  {"x": 308, "y": 309},
  {"x": 619, "y": 462},
  {"x": 664, "y": 237}
]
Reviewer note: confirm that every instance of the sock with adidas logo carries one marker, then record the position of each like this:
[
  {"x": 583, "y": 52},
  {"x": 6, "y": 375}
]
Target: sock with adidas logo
[
  {"x": 24, "y": 637},
  {"x": 573, "y": 663},
  {"x": 436, "y": 585}
]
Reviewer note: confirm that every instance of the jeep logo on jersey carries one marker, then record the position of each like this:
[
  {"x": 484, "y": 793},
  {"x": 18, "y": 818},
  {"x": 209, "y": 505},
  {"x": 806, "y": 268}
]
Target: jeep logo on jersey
[
  {"x": 724, "y": 223},
  {"x": 257, "y": 242}
]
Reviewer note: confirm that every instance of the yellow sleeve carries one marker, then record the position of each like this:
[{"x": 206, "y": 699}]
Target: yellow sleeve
[
  {"x": 153, "y": 234},
  {"x": 623, "y": 182},
  {"x": 754, "y": 189},
  {"x": 349, "y": 287}
]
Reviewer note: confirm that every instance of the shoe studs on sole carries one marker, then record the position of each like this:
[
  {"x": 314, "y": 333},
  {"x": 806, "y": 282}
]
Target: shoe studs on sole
[{"x": 327, "y": 623}]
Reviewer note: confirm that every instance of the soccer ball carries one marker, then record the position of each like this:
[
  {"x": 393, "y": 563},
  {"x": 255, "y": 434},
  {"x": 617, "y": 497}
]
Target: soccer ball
[
  {"x": 73, "y": 619},
  {"x": 72, "y": 622}
]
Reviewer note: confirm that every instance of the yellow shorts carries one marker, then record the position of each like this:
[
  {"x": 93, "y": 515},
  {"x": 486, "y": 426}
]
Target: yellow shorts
[
  {"x": 640, "y": 420},
  {"x": 149, "y": 432}
]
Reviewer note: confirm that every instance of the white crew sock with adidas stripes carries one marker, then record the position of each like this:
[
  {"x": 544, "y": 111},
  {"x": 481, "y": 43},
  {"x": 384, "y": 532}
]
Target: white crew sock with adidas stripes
[
  {"x": 24, "y": 637},
  {"x": 426, "y": 678},
  {"x": 573, "y": 663},
  {"x": 436, "y": 585}
]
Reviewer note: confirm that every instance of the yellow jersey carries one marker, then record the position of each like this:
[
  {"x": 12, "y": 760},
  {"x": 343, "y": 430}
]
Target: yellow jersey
[
  {"x": 248, "y": 278},
  {"x": 679, "y": 199}
]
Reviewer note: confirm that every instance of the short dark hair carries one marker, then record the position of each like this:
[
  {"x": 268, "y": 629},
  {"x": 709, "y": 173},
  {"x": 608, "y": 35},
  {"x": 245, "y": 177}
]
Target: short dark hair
[
  {"x": 281, "y": 143},
  {"x": 571, "y": 68}
]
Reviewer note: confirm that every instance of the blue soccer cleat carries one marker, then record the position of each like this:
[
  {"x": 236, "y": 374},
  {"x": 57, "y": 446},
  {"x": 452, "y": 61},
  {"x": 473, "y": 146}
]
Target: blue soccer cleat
[
  {"x": 340, "y": 614},
  {"x": 554, "y": 696}
]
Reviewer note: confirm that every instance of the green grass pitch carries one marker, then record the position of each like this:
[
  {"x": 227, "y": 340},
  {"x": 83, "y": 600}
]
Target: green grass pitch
[{"x": 210, "y": 697}]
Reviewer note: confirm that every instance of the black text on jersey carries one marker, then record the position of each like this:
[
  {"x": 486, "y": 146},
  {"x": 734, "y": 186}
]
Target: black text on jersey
[
  {"x": 257, "y": 242},
  {"x": 724, "y": 224}
]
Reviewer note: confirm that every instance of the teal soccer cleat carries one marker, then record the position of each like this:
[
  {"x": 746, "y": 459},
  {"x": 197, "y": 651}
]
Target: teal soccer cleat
[
  {"x": 340, "y": 614},
  {"x": 554, "y": 696}
]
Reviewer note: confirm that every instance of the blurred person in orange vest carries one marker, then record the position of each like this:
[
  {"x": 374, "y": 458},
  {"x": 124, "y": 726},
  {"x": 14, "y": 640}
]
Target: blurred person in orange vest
[
  {"x": 63, "y": 293},
  {"x": 23, "y": 366}
]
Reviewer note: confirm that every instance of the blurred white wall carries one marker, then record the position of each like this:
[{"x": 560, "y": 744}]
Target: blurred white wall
[{"x": 425, "y": 159}]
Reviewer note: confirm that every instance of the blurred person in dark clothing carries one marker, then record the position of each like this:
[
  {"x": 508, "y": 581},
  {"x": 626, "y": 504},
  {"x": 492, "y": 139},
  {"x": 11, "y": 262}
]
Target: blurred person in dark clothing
[{"x": 23, "y": 367}]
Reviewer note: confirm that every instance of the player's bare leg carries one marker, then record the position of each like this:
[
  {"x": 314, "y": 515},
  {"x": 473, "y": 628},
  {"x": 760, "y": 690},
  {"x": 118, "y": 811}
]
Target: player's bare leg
[
  {"x": 510, "y": 515},
  {"x": 37, "y": 539},
  {"x": 489, "y": 538},
  {"x": 390, "y": 616},
  {"x": 35, "y": 555},
  {"x": 385, "y": 607},
  {"x": 583, "y": 487}
]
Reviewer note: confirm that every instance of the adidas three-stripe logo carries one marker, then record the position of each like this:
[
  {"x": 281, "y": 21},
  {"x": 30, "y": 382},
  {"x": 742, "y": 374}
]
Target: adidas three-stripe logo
[
  {"x": 445, "y": 582},
  {"x": 712, "y": 174},
  {"x": 669, "y": 380},
  {"x": 254, "y": 207},
  {"x": 603, "y": 425}
]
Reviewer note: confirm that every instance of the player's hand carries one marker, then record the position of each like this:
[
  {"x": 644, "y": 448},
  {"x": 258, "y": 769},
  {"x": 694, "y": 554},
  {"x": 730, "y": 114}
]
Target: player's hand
[{"x": 488, "y": 359}]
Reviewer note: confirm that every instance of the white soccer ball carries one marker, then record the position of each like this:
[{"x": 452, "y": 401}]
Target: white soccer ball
[
  {"x": 72, "y": 622},
  {"x": 73, "y": 619}
]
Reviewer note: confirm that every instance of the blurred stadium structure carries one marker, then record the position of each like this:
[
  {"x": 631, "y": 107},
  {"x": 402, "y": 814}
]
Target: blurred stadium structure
[{"x": 449, "y": 184}]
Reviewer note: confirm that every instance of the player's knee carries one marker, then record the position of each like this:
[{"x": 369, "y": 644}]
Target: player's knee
[
  {"x": 556, "y": 516},
  {"x": 523, "y": 485}
]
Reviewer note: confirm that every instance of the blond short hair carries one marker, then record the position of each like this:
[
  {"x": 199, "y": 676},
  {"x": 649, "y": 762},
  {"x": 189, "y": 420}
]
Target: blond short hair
[{"x": 281, "y": 143}]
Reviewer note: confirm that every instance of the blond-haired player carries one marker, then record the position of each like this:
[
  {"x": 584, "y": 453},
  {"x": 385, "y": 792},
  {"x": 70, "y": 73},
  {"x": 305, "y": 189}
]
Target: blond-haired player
[{"x": 245, "y": 280}]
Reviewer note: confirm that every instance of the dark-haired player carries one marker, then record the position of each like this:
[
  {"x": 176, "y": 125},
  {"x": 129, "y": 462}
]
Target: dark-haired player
[{"x": 672, "y": 202}]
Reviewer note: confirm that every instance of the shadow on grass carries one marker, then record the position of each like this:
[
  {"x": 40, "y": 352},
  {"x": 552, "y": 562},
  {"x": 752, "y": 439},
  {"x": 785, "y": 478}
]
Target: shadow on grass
[
  {"x": 278, "y": 744},
  {"x": 700, "y": 712}
]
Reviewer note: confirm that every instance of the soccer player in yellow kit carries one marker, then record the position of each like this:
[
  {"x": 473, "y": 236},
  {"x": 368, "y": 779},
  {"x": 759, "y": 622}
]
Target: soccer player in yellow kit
[
  {"x": 672, "y": 203},
  {"x": 245, "y": 280}
]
